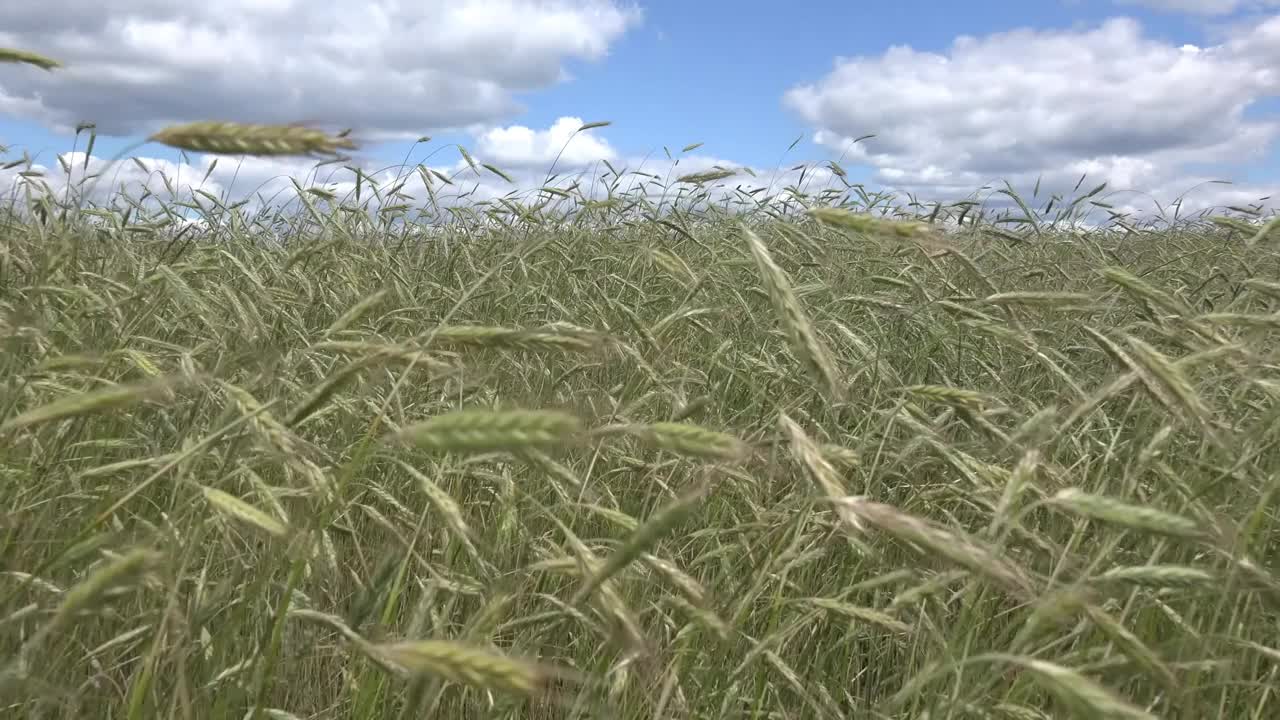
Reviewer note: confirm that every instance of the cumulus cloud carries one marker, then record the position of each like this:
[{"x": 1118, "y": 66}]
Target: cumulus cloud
[
  {"x": 1049, "y": 106},
  {"x": 388, "y": 67},
  {"x": 521, "y": 147}
]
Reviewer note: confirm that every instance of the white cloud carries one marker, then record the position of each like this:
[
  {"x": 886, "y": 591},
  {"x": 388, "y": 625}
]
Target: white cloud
[
  {"x": 387, "y": 67},
  {"x": 1051, "y": 105},
  {"x": 524, "y": 153},
  {"x": 517, "y": 146},
  {"x": 101, "y": 180},
  {"x": 1203, "y": 7}
]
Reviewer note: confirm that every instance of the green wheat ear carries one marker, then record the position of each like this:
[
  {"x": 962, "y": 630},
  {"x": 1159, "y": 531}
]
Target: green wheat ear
[
  {"x": 474, "y": 666},
  {"x": 1135, "y": 517},
  {"x": 683, "y": 439},
  {"x": 808, "y": 348},
  {"x": 246, "y": 139},
  {"x": 29, "y": 58},
  {"x": 488, "y": 430}
]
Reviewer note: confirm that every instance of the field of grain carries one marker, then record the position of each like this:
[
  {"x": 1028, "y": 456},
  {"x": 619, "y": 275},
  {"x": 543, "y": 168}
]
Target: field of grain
[{"x": 674, "y": 454}]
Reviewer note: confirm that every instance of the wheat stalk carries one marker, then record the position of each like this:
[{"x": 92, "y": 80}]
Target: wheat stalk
[
  {"x": 471, "y": 665},
  {"x": 1130, "y": 645},
  {"x": 11, "y": 55},
  {"x": 862, "y": 614},
  {"x": 1157, "y": 576},
  {"x": 805, "y": 344},
  {"x": 234, "y": 507},
  {"x": 94, "y": 401},
  {"x": 824, "y": 476},
  {"x": 1126, "y": 515},
  {"x": 864, "y": 223},
  {"x": 958, "y": 397},
  {"x": 557, "y": 339},
  {"x": 951, "y": 544},
  {"x": 87, "y": 592},
  {"x": 1084, "y": 696},
  {"x": 644, "y": 537},
  {"x": 1041, "y": 299},
  {"x": 232, "y": 138},
  {"x": 682, "y": 438},
  {"x": 487, "y": 430}
]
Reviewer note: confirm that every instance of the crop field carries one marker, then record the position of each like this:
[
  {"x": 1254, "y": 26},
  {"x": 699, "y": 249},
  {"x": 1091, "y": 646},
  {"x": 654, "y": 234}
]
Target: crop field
[{"x": 667, "y": 451}]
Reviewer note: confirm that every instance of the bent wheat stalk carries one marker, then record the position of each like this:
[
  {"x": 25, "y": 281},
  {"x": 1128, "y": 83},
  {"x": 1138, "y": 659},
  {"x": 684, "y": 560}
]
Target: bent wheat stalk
[{"x": 11, "y": 55}]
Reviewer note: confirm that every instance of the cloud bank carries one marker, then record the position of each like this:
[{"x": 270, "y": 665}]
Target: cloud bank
[
  {"x": 391, "y": 68},
  {"x": 1050, "y": 106}
]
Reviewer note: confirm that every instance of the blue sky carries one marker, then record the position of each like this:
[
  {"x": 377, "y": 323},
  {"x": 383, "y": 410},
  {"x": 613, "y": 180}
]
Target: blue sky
[
  {"x": 697, "y": 72},
  {"x": 745, "y": 78}
]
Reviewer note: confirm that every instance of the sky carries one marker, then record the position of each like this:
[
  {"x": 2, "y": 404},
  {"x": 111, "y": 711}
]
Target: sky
[{"x": 1155, "y": 97}]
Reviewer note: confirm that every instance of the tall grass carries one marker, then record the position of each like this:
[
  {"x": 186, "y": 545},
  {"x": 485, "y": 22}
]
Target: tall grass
[{"x": 686, "y": 455}]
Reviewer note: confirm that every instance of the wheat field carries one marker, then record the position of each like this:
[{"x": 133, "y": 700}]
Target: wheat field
[{"x": 686, "y": 453}]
